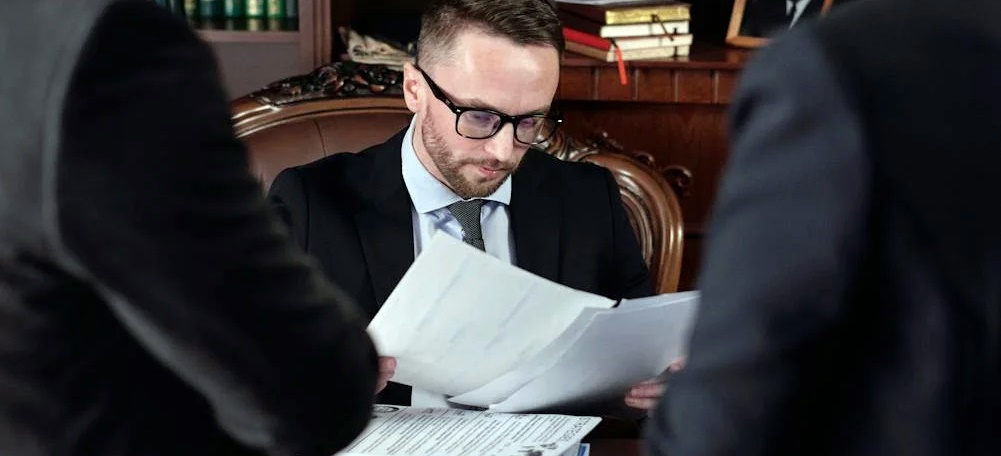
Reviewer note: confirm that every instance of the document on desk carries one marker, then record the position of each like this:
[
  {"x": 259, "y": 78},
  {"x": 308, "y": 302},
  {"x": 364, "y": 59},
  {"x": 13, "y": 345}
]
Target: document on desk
[
  {"x": 491, "y": 335},
  {"x": 411, "y": 431}
]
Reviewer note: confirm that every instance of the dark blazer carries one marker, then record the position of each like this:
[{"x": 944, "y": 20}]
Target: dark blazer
[
  {"x": 852, "y": 280},
  {"x": 150, "y": 302},
  {"x": 353, "y": 213}
]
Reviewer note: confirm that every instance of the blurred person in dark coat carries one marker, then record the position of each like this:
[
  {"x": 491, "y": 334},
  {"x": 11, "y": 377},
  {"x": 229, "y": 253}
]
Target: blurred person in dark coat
[
  {"x": 150, "y": 303},
  {"x": 852, "y": 284}
]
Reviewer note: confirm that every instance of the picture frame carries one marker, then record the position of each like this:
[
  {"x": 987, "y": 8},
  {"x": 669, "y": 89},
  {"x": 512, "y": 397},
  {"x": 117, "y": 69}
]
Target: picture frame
[{"x": 753, "y": 22}]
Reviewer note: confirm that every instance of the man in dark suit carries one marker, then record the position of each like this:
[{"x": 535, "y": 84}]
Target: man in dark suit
[
  {"x": 851, "y": 294},
  {"x": 766, "y": 18},
  {"x": 481, "y": 94},
  {"x": 150, "y": 302}
]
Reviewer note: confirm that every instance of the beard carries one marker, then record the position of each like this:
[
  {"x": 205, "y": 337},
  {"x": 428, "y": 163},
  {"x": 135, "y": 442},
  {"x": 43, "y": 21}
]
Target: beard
[{"x": 451, "y": 168}]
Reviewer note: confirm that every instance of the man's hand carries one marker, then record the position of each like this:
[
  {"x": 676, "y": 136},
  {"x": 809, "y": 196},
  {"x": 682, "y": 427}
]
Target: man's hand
[
  {"x": 387, "y": 367},
  {"x": 646, "y": 395}
]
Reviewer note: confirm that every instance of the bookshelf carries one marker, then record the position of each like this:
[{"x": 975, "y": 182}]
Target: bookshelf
[{"x": 254, "y": 52}]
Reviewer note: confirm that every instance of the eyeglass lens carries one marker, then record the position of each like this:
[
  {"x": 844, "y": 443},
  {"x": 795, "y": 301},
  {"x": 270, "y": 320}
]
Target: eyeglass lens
[{"x": 483, "y": 124}]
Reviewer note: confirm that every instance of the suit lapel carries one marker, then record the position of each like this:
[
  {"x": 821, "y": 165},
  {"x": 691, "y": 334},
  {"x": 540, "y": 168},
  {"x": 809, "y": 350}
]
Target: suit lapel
[
  {"x": 536, "y": 216},
  {"x": 385, "y": 226}
]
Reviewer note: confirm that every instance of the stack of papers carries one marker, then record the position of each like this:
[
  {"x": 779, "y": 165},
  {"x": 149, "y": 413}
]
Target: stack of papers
[
  {"x": 488, "y": 334},
  {"x": 409, "y": 431}
]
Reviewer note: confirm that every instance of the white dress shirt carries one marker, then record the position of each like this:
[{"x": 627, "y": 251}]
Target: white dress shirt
[
  {"x": 799, "y": 6},
  {"x": 429, "y": 200}
]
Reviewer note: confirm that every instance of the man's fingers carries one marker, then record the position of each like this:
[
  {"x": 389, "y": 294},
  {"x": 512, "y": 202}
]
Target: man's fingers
[
  {"x": 387, "y": 365},
  {"x": 641, "y": 403},
  {"x": 387, "y": 368},
  {"x": 647, "y": 391}
]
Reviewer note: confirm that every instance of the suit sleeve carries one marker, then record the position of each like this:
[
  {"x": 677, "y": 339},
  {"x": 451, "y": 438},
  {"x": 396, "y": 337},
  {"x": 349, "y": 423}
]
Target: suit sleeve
[
  {"x": 783, "y": 244},
  {"x": 158, "y": 208},
  {"x": 631, "y": 277}
]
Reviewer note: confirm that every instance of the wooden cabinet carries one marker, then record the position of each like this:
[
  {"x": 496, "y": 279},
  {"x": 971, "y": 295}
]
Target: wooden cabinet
[{"x": 672, "y": 114}]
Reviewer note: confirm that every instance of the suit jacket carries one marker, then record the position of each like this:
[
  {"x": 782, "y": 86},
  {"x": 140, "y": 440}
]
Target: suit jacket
[
  {"x": 852, "y": 278},
  {"x": 353, "y": 213},
  {"x": 150, "y": 302}
]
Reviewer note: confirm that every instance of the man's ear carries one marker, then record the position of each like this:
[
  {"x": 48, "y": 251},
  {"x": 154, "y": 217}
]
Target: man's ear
[{"x": 413, "y": 82}]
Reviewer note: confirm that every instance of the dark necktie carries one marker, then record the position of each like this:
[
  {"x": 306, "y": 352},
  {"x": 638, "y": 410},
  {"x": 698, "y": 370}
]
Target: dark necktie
[{"x": 468, "y": 215}]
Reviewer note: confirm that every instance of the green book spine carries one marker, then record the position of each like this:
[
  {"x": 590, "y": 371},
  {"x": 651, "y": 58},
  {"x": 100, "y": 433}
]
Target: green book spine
[
  {"x": 191, "y": 8},
  {"x": 292, "y": 9},
  {"x": 211, "y": 9},
  {"x": 256, "y": 24},
  {"x": 276, "y": 9},
  {"x": 255, "y": 8},
  {"x": 234, "y": 8},
  {"x": 277, "y": 25}
]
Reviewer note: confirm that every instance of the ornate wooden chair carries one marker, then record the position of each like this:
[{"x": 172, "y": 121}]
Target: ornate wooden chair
[{"x": 346, "y": 107}]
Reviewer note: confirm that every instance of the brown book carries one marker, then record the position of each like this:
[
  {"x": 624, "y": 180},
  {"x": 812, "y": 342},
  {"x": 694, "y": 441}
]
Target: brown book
[
  {"x": 629, "y": 12},
  {"x": 623, "y": 30}
]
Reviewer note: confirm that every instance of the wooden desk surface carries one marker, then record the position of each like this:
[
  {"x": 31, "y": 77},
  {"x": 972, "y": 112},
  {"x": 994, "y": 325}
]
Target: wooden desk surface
[{"x": 616, "y": 447}]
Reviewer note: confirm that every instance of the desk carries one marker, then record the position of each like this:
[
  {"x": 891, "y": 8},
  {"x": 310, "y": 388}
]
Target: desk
[
  {"x": 673, "y": 111},
  {"x": 617, "y": 447}
]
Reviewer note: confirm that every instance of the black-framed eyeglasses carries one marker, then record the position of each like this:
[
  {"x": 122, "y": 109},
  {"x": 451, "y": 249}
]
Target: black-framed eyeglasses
[{"x": 482, "y": 123}]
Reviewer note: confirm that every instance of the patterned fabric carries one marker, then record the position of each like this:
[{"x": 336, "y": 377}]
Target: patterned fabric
[{"x": 468, "y": 215}]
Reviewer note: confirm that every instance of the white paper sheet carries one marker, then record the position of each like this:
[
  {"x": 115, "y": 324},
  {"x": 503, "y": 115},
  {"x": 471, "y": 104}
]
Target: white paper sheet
[
  {"x": 460, "y": 318},
  {"x": 502, "y": 387},
  {"x": 407, "y": 431},
  {"x": 616, "y": 349}
]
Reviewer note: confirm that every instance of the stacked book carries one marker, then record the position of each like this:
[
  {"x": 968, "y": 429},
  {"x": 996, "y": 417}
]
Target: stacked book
[
  {"x": 251, "y": 15},
  {"x": 618, "y": 30}
]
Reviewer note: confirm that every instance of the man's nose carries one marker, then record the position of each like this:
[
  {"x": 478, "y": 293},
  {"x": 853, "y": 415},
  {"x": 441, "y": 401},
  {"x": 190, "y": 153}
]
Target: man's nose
[{"x": 501, "y": 146}]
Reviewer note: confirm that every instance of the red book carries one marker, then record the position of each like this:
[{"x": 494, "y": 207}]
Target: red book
[
  {"x": 586, "y": 39},
  {"x": 598, "y": 42}
]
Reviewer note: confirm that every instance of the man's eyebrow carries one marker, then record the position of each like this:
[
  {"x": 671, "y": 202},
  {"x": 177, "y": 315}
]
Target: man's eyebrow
[{"x": 480, "y": 104}]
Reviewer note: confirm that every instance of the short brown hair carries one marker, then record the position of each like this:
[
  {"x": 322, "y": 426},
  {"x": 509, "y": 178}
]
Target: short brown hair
[{"x": 526, "y": 22}]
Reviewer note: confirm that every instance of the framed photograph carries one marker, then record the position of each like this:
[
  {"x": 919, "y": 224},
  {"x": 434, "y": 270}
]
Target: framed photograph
[{"x": 753, "y": 22}]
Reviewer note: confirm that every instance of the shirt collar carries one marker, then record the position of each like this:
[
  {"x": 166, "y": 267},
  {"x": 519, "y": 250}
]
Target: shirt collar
[{"x": 427, "y": 193}]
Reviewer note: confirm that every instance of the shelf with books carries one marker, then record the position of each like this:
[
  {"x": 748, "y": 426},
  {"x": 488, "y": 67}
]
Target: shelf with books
[
  {"x": 704, "y": 56},
  {"x": 259, "y": 41},
  {"x": 235, "y": 20},
  {"x": 706, "y": 76}
]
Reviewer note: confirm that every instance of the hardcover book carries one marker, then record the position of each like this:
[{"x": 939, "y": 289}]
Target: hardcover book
[
  {"x": 624, "y": 30},
  {"x": 609, "y": 55},
  {"x": 626, "y": 44},
  {"x": 255, "y": 8},
  {"x": 630, "y": 12}
]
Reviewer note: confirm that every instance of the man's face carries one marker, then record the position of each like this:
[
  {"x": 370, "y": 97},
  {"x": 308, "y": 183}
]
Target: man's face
[{"x": 486, "y": 72}]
